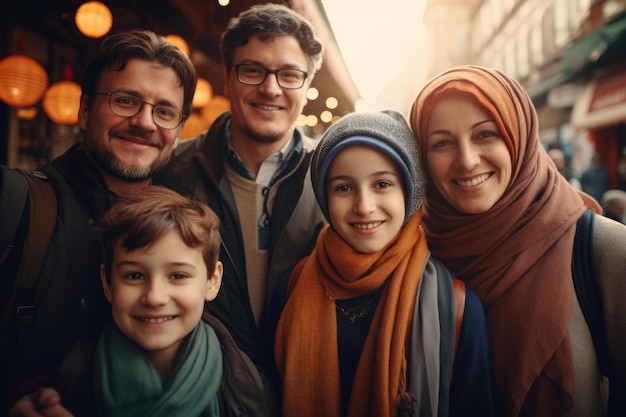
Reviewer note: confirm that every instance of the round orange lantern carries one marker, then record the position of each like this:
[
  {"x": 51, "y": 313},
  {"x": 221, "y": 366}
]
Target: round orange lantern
[
  {"x": 61, "y": 102},
  {"x": 194, "y": 125},
  {"x": 217, "y": 106},
  {"x": 203, "y": 95},
  {"x": 22, "y": 81},
  {"x": 93, "y": 19},
  {"x": 178, "y": 41}
]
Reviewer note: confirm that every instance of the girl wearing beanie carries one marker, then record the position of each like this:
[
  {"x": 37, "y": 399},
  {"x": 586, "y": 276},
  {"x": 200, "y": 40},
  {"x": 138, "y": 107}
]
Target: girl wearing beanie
[
  {"x": 500, "y": 215},
  {"x": 368, "y": 328}
]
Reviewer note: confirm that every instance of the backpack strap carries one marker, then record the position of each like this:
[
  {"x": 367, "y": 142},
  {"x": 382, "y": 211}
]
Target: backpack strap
[
  {"x": 586, "y": 287},
  {"x": 43, "y": 215},
  {"x": 590, "y": 300},
  {"x": 15, "y": 190}
]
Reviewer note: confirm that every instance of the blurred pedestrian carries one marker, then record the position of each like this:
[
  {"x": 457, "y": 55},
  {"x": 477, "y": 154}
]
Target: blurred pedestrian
[
  {"x": 558, "y": 157},
  {"x": 614, "y": 205},
  {"x": 621, "y": 172},
  {"x": 596, "y": 180}
]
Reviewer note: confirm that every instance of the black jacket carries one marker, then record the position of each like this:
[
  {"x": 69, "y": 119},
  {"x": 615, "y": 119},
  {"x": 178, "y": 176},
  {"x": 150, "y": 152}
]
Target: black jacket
[{"x": 68, "y": 299}]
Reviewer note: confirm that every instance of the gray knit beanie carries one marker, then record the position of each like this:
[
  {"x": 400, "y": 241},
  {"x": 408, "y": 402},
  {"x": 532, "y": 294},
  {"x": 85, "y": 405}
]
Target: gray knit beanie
[{"x": 386, "y": 131}]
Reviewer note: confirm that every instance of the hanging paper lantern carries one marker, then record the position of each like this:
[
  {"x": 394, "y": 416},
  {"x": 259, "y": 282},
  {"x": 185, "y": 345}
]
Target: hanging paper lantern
[
  {"x": 61, "y": 102},
  {"x": 203, "y": 95},
  {"x": 23, "y": 81},
  {"x": 194, "y": 125},
  {"x": 178, "y": 41},
  {"x": 217, "y": 106},
  {"x": 93, "y": 19},
  {"x": 26, "y": 113}
]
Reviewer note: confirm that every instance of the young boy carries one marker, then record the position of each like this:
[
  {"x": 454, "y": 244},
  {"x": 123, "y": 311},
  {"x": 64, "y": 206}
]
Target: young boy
[
  {"x": 161, "y": 355},
  {"x": 369, "y": 327},
  {"x": 160, "y": 266}
]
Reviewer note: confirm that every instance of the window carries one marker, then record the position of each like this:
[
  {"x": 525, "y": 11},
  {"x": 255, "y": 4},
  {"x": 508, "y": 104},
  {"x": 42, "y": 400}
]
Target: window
[
  {"x": 548, "y": 31},
  {"x": 521, "y": 57},
  {"x": 535, "y": 53}
]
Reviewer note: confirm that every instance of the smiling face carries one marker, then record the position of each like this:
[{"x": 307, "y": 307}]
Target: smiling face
[
  {"x": 467, "y": 157},
  {"x": 158, "y": 293},
  {"x": 365, "y": 198},
  {"x": 131, "y": 148},
  {"x": 266, "y": 113}
]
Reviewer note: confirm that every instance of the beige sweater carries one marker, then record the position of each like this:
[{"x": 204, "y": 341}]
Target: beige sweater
[{"x": 609, "y": 244}]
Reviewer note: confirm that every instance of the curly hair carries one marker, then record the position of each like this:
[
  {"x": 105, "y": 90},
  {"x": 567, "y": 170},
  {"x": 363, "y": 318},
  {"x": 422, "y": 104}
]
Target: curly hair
[
  {"x": 116, "y": 50},
  {"x": 267, "y": 21}
]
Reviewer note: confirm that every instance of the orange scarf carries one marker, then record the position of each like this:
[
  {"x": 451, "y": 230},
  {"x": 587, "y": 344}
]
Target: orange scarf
[
  {"x": 306, "y": 339},
  {"x": 517, "y": 255}
]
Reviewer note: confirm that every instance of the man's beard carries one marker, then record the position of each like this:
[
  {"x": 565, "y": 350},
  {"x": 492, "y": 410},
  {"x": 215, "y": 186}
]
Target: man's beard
[{"x": 108, "y": 162}]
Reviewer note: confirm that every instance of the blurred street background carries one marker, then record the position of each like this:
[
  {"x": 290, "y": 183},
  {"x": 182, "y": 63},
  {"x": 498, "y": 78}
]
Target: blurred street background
[{"x": 570, "y": 55}]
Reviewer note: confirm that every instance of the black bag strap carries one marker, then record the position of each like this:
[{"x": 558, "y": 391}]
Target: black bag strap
[
  {"x": 586, "y": 287},
  {"x": 42, "y": 216},
  {"x": 15, "y": 190},
  {"x": 588, "y": 294}
]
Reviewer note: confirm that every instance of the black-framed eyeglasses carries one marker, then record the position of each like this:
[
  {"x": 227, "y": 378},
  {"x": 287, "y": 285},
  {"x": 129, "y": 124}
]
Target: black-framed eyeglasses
[
  {"x": 129, "y": 105},
  {"x": 255, "y": 74}
]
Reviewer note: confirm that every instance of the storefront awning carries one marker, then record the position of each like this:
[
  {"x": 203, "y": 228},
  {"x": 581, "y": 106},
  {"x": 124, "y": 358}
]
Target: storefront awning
[
  {"x": 602, "y": 102},
  {"x": 600, "y": 48},
  {"x": 548, "y": 84}
]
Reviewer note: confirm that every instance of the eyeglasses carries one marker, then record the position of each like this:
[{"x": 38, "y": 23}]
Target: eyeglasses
[
  {"x": 128, "y": 105},
  {"x": 254, "y": 74}
]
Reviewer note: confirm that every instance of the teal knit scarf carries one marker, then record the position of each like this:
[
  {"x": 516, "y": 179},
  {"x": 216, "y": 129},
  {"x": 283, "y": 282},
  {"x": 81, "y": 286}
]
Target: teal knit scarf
[{"x": 127, "y": 385}]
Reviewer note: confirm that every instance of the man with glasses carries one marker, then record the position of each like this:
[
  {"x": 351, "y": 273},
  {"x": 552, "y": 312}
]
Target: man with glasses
[
  {"x": 128, "y": 105},
  {"x": 252, "y": 166},
  {"x": 136, "y": 93}
]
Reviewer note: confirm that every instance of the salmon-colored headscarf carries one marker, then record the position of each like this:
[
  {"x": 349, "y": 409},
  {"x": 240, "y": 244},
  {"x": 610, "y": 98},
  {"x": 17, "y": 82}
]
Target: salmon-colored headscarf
[{"x": 517, "y": 255}]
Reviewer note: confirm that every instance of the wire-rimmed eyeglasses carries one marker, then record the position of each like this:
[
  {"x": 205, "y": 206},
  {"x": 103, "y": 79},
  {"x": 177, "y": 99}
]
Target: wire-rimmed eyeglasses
[
  {"x": 129, "y": 105},
  {"x": 255, "y": 74}
]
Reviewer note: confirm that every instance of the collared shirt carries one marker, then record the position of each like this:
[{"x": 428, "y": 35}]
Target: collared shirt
[
  {"x": 270, "y": 171},
  {"x": 271, "y": 167}
]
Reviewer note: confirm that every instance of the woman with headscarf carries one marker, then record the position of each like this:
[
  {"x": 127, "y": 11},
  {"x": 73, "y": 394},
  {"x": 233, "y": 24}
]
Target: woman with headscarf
[{"x": 500, "y": 216}]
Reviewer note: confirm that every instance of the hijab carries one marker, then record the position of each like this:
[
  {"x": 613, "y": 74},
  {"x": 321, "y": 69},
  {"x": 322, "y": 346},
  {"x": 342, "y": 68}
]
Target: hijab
[{"x": 516, "y": 256}]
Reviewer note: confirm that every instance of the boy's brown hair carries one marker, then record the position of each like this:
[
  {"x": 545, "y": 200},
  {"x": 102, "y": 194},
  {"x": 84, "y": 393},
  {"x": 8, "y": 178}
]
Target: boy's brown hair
[{"x": 137, "y": 220}]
